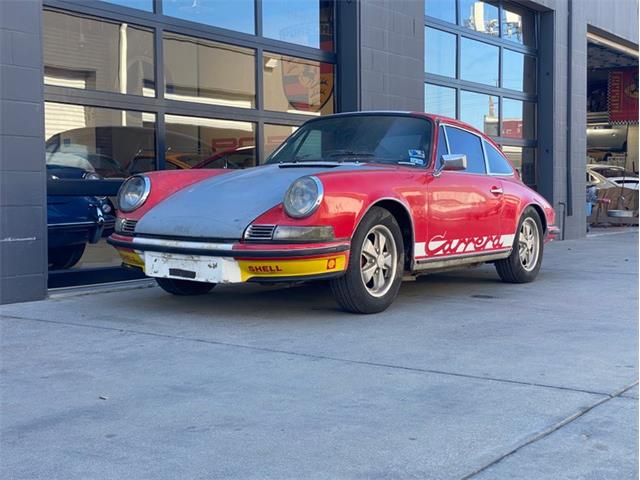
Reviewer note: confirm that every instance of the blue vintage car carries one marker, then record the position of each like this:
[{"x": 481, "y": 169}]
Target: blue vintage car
[{"x": 73, "y": 221}]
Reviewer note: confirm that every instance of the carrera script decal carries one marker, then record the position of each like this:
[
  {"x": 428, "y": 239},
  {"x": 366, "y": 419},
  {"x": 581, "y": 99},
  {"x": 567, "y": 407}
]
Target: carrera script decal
[{"x": 441, "y": 245}]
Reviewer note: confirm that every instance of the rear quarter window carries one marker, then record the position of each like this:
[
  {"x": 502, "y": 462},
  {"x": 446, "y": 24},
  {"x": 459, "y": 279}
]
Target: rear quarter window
[{"x": 498, "y": 165}]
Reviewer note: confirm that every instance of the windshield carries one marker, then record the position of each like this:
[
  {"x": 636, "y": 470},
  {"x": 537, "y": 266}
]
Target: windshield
[{"x": 393, "y": 139}]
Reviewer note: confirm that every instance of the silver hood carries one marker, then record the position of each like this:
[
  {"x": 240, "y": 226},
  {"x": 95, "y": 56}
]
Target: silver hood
[{"x": 223, "y": 206}]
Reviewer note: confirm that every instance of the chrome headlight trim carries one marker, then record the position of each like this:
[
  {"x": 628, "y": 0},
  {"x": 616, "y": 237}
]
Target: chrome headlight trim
[
  {"x": 313, "y": 233},
  {"x": 146, "y": 189},
  {"x": 311, "y": 206}
]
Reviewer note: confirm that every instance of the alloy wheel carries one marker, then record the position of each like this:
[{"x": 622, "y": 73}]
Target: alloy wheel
[
  {"x": 529, "y": 244},
  {"x": 378, "y": 260}
]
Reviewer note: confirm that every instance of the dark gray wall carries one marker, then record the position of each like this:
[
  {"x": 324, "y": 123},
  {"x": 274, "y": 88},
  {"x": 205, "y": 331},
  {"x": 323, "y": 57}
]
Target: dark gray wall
[
  {"x": 392, "y": 55},
  {"x": 23, "y": 262}
]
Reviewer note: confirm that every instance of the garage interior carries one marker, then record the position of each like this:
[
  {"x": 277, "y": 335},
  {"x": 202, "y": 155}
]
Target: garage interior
[{"x": 612, "y": 133}]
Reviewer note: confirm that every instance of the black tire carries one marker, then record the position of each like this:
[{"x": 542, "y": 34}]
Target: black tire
[
  {"x": 184, "y": 287},
  {"x": 61, "y": 258},
  {"x": 350, "y": 290},
  {"x": 512, "y": 269}
]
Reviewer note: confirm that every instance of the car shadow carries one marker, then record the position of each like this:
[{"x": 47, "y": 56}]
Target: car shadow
[{"x": 294, "y": 301}]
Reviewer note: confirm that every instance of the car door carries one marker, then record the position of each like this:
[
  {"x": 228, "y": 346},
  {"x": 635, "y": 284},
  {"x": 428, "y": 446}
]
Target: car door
[{"x": 464, "y": 207}]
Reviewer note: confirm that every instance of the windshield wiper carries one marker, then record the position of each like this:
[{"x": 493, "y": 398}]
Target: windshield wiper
[{"x": 349, "y": 153}]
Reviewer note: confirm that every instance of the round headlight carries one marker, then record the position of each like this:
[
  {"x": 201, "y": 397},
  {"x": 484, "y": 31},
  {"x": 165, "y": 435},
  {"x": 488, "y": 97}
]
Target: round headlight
[
  {"x": 133, "y": 193},
  {"x": 92, "y": 176},
  {"x": 303, "y": 197}
]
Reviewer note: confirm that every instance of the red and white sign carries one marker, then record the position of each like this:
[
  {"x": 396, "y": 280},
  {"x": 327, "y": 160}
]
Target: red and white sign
[{"x": 623, "y": 96}]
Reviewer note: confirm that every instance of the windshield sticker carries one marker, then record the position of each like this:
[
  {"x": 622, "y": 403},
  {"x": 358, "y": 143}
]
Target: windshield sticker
[
  {"x": 416, "y": 160},
  {"x": 417, "y": 153}
]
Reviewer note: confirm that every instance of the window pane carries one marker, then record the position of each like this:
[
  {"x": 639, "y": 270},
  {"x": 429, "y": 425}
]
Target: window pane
[
  {"x": 497, "y": 163},
  {"x": 439, "y": 52},
  {"x": 461, "y": 142},
  {"x": 479, "y": 16},
  {"x": 518, "y": 25},
  {"x": 440, "y": 100},
  {"x": 305, "y": 22},
  {"x": 524, "y": 160},
  {"x": 442, "y": 9},
  {"x": 478, "y": 62},
  {"x": 295, "y": 85},
  {"x": 236, "y": 15},
  {"x": 194, "y": 142},
  {"x": 480, "y": 111},
  {"x": 518, "y": 119},
  {"x": 518, "y": 71},
  {"x": 91, "y": 54},
  {"x": 208, "y": 72},
  {"x": 274, "y": 135},
  {"x": 140, "y": 4},
  {"x": 112, "y": 143}
]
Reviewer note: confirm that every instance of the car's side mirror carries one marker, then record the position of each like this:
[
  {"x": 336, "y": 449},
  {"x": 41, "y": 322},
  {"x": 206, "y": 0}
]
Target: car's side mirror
[{"x": 453, "y": 162}]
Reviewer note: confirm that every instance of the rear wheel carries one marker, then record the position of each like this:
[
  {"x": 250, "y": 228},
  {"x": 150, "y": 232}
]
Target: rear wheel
[
  {"x": 184, "y": 287},
  {"x": 523, "y": 264},
  {"x": 61, "y": 258},
  {"x": 375, "y": 269}
]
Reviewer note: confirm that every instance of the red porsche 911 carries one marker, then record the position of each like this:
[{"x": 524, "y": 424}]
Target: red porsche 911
[{"x": 358, "y": 199}]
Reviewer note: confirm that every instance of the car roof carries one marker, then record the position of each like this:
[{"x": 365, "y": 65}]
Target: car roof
[{"x": 407, "y": 113}]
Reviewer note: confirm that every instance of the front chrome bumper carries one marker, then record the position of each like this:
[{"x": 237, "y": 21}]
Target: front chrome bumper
[{"x": 235, "y": 262}]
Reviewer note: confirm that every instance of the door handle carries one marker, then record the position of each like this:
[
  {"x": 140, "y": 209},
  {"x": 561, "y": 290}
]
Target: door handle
[{"x": 497, "y": 190}]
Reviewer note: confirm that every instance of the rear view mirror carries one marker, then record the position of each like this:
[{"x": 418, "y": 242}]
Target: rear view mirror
[{"x": 452, "y": 162}]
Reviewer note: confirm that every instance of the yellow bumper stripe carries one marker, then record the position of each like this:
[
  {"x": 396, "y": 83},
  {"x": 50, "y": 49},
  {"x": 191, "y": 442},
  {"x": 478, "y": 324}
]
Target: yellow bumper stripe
[{"x": 291, "y": 268}]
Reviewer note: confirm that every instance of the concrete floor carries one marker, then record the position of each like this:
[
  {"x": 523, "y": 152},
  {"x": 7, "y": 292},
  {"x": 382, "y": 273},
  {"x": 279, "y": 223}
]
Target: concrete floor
[{"x": 463, "y": 377}]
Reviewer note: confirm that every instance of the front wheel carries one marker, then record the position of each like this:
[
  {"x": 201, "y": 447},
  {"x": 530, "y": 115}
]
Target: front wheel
[
  {"x": 184, "y": 287},
  {"x": 61, "y": 258},
  {"x": 376, "y": 263},
  {"x": 523, "y": 264}
]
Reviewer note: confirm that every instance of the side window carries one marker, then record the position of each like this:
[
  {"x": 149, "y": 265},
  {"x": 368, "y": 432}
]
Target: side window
[
  {"x": 497, "y": 163},
  {"x": 442, "y": 146},
  {"x": 463, "y": 142}
]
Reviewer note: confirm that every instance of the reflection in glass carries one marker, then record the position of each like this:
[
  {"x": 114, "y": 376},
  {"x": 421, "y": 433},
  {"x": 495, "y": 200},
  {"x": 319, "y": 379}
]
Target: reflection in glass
[
  {"x": 112, "y": 143},
  {"x": 518, "y": 118},
  {"x": 518, "y": 71},
  {"x": 304, "y": 22},
  {"x": 481, "y": 111},
  {"x": 202, "y": 71},
  {"x": 195, "y": 142},
  {"x": 442, "y": 9},
  {"x": 478, "y": 62},
  {"x": 524, "y": 160},
  {"x": 479, "y": 16},
  {"x": 440, "y": 100},
  {"x": 439, "y": 52},
  {"x": 274, "y": 135},
  {"x": 97, "y": 55},
  {"x": 139, "y": 4},
  {"x": 295, "y": 85},
  {"x": 89, "y": 143},
  {"x": 235, "y": 15},
  {"x": 518, "y": 25}
]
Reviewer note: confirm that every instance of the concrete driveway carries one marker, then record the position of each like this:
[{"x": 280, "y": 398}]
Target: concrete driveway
[{"x": 463, "y": 377}]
